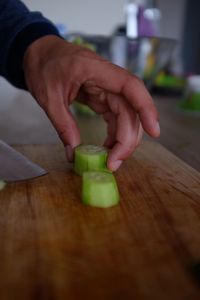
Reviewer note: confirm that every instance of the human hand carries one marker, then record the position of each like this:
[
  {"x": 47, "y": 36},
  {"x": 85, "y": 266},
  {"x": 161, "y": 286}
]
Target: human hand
[{"x": 58, "y": 72}]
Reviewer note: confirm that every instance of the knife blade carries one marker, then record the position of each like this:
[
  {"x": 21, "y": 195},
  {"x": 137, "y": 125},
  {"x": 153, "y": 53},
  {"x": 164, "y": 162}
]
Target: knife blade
[{"x": 16, "y": 167}]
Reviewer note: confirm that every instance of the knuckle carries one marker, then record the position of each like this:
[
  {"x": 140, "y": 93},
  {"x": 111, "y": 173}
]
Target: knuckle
[
  {"x": 77, "y": 67},
  {"x": 134, "y": 79},
  {"x": 129, "y": 151}
]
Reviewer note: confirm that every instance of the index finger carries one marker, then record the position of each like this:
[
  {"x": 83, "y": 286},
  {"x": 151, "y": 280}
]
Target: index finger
[{"x": 117, "y": 80}]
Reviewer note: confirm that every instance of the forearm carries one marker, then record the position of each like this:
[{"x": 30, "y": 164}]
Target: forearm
[{"x": 18, "y": 29}]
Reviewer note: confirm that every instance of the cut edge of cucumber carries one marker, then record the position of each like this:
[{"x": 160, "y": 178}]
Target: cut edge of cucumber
[
  {"x": 89, "y": 149},
  {"x": 90, "y": 158}
]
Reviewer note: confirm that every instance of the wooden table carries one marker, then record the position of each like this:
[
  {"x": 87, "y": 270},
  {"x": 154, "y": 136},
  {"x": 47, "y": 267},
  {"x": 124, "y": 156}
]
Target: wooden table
[
  {"x": 148, "y": 247},
  {"x": 179, "y": 132}
]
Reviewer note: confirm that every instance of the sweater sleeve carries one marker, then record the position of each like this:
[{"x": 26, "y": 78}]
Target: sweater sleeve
[{"x": 18, "y": 29}]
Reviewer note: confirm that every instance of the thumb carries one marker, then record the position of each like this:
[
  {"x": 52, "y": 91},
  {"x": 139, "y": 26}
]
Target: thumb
[{"x": 66, "y": 127}]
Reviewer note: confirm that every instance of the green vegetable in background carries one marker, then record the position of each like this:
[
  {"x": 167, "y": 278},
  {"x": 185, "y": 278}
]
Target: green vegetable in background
[
  {"x": 192, "y": 103},
  {"x": 80, "y": 42}
]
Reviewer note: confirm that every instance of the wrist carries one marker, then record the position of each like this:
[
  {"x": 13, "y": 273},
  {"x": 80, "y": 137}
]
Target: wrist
[
  {"x": 38, "y": 51},
  {"x": 20, "y": 44}
]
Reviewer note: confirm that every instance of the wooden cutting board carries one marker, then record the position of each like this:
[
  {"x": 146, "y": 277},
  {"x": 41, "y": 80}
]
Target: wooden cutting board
[{"x": 53, "y": 247}]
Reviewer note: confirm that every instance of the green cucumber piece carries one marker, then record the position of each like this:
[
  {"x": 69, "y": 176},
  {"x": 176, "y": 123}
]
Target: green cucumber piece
[
  {"x": 2, "y": 184},
  {"x": 99, "y": 189},
  {"x": 90, "y": 158}
]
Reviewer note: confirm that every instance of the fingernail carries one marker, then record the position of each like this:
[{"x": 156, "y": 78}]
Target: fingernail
[
  {"x": 69, "y": 153},
  {"x": 157, "y": 129},
  {"x": 115, "y": 165}
]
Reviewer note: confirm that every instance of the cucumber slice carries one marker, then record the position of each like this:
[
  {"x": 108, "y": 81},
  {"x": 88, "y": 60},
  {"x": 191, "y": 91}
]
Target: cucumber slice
[
  {"x": 90, "y": 158},
  {"x": 99, "y": 189},
  {"x": 2, "y": 184}
]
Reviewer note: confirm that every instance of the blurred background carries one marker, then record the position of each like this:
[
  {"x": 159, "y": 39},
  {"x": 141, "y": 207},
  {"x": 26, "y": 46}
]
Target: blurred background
[
  {"x": 103, "y": 17},
  {"x": 158, "y": 40}
]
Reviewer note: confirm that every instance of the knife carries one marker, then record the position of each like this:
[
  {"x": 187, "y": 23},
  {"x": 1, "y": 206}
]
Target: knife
[{"x": 16, "y": 167}]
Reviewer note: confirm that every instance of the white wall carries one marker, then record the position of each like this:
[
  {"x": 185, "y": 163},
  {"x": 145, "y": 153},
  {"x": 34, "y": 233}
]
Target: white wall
[
  {"x": 89, "y": 16},
  {"x": 95, "y": 16},
  {"x": 172, "y": 17},
  {"x": 101, "y": 16}
]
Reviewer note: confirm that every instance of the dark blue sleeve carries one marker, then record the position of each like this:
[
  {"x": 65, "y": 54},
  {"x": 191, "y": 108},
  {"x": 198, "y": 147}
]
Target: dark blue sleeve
[{"x": 18, "y": 29}]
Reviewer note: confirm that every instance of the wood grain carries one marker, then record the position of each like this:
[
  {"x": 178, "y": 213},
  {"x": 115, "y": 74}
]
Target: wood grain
[
  {"x": 179, "y": 131},
  {"x": 53, "y": 247}
]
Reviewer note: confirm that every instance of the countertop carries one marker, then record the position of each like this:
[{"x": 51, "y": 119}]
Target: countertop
[{"x": 147, "y": 247}]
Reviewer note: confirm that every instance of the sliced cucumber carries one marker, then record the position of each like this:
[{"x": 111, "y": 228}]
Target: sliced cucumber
[
  {"x": 2, "y": 184},
  {"x": 99, "y": 189},
  {"x": 90, "y": 158}
]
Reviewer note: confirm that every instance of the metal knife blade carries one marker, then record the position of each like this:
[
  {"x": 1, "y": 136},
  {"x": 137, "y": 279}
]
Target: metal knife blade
[{"x": 16, "y": 167}]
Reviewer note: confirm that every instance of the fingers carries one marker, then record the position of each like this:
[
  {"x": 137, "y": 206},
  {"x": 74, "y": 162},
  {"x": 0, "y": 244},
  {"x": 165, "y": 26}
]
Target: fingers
[
  {"x": 127, "y": 131},
  {"x": 110, "y": 118},
  {"x": 141, "y": 101},
  {"x": 124, "y": 130},
  {"x": 63, "y": 122},
  {"x": 116, "y": 80}
]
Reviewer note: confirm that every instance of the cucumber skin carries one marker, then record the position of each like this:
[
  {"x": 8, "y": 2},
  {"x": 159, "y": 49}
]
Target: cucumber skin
[
  {"x": 100, "y": 194},
  {"x": 85, "y": 162}
]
